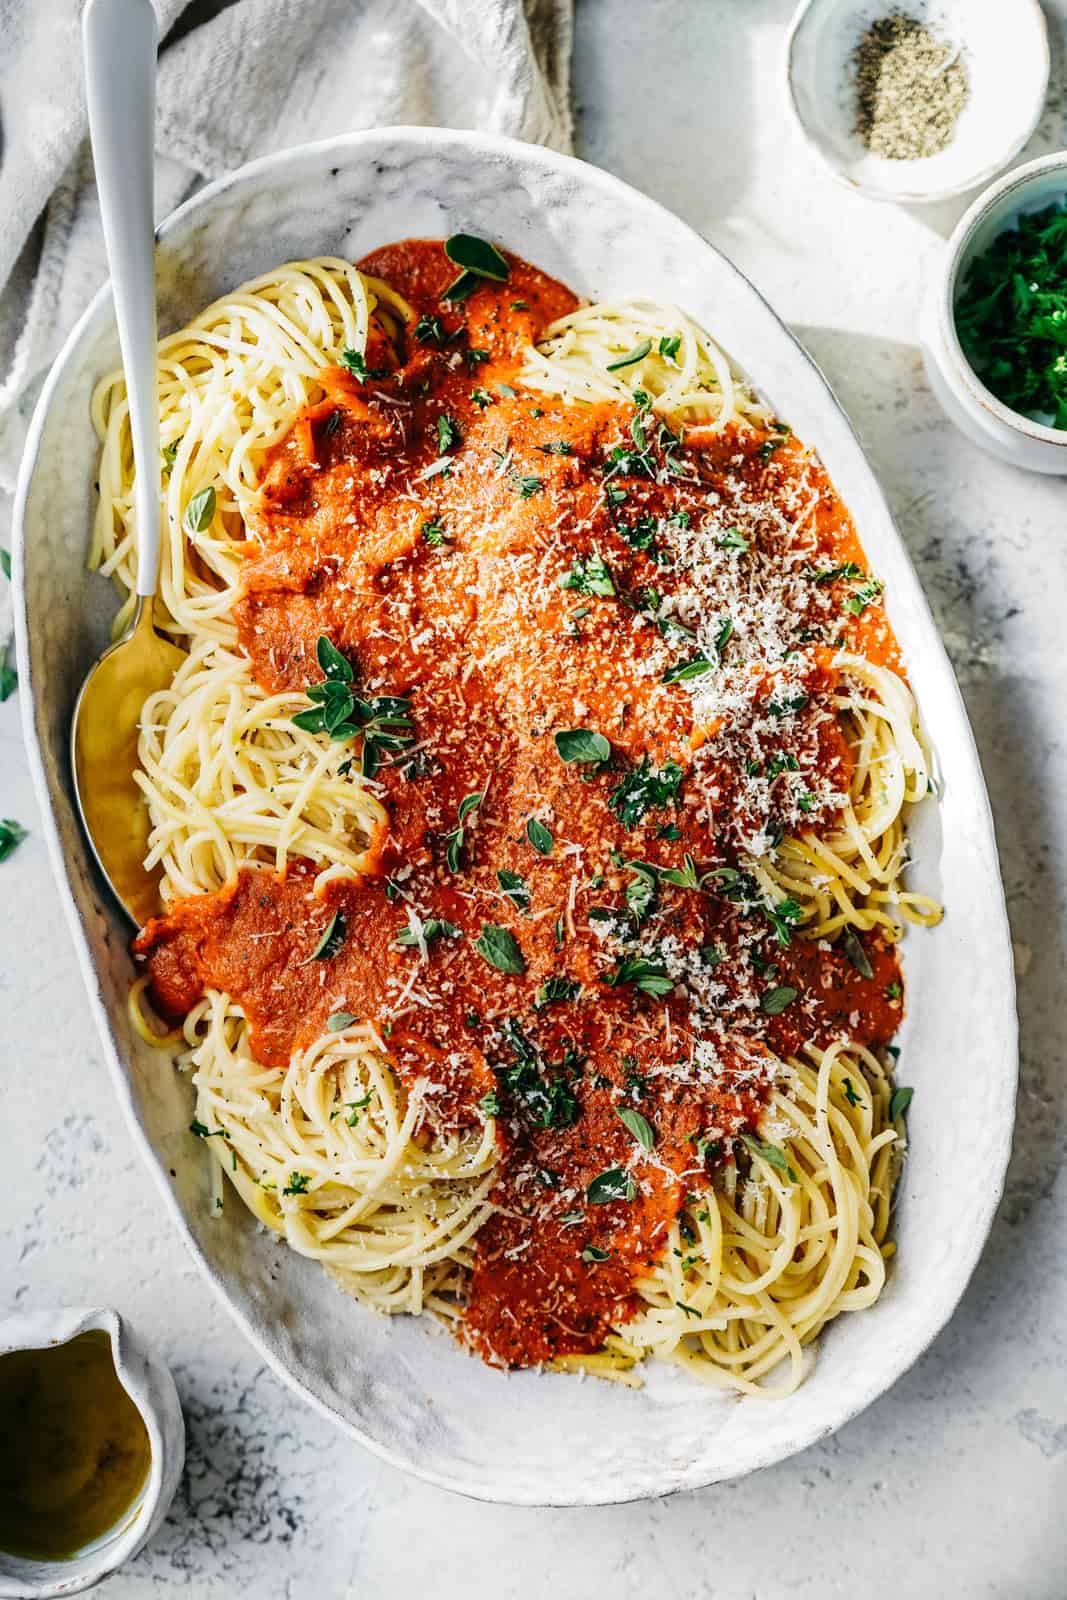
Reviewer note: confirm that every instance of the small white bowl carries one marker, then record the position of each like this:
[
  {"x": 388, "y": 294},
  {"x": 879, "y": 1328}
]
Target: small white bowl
[
  {"x": 151, "y": 1388},
  {"x": 964, "y": 397},
  {"x": 1007, "y": 60}
]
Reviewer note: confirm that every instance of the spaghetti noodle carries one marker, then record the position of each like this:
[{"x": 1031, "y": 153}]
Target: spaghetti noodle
[{"x": 531, "y": 812}]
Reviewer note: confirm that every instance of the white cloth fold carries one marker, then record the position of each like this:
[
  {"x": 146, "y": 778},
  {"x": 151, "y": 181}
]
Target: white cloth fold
[{"x": 255, "y": 77}]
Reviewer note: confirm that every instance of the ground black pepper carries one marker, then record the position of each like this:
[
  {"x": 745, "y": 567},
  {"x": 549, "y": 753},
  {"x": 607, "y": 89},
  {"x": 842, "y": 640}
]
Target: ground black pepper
[{"x": 910, "y": 89}]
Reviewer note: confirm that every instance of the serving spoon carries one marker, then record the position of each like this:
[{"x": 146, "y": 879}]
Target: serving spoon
[{"x": 119, "y": 40}]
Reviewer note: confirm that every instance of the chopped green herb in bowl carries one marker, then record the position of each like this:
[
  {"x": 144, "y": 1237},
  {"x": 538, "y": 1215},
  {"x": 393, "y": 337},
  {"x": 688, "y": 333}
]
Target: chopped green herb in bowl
[{"x": 1011, "y": 316}]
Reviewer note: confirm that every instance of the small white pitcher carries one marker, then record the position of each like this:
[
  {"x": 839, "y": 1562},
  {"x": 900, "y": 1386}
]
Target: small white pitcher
[{"x": 151, "y": 1388}]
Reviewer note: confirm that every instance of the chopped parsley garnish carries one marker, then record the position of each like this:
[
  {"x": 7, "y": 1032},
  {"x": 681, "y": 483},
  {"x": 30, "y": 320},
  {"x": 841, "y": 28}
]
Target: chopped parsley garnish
[
  {"x": 733, "y": 539},
  {"x": 5, "y": 560},
  {"x": 861, "y": 598},
  {"x": 197, "y": 518},
  {"x": 477, "y": 256},
  {"x": 690, "y": 1311},
  {"x": 500, "y": 948},
  {"x": 642, "y": 790},
  {"x": 899, "y": 1101},
  {"x": 593, "y": 1252},
  {"x": 684, "y": 877},
  {"x": 434, "y": 535},
  {"x": 648, "y": 976},
  {"x": 429, "y": 330},
  {"x": 448, "y": 434},
  {"x": 333, "y": 937},
  {"x": 852, "y": 945},
  {"x": 525, "y": 484},
  {"x": 555, "y": 991},
  {"x": 539, "y": 837},
  {"x": 461, "y": 288},
  {"x": 9, "y": 678},
  {"x": 769, "y": 446},
  {"x": 615, "y": 1183},
  {"x": 541, "y": 1091},
  {"x": 640, "y": 891},
  {"x": 1011, "y": 315},
  {"x": 298, "y": 1183},
  {"x": 742, "y": 889},
  {"x": 591, "y": 576},
  {"x": 433, "y": 928},
  {"x": 699, "y": 664},
  {"x": 583, "y": 745},
  {"x": 441, "y": 468},
  {"x": 514, "y": 885},
  {"x": 893, "y": 991},
  {"x": 669, "y": 345},
  {"x": 203, "y": 1132},
  {"x": 641, "y": 535},
  {"x": 455, "y": 842},
  {"x": 787, "y": 706},
  {"x": 696, "y": 667},
  {"x": 638, "y": 1125},
  {"x": 782, "y": 918},
  {"x": 356, "y": 363},
  {"x": 354, "y": 1107},
  {"x": 848, "y": 569},
  {"x": 481, "y": 399},
  {"x": 490, "y": 1103},
  {"x": 632, "y": 357},
  {"x": 850, "y": 1094},
  {"x": 771, "y": 1153},
  {"x": 12, "y": 834},
  {"x": 638, "y": 463}
]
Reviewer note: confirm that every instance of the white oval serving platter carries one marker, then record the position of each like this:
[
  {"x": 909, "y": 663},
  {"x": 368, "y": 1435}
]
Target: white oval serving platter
[{"x": 402, "y": 1387}]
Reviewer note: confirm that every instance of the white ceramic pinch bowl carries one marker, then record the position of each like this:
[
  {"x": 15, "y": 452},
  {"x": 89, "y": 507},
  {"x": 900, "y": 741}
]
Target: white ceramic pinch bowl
[
  {"x": 974, "y": 409},
  {"x": 151, "y": 1388},
  {"x": 401, "y": 1386},
  {"x": 1004, "y": 44}
]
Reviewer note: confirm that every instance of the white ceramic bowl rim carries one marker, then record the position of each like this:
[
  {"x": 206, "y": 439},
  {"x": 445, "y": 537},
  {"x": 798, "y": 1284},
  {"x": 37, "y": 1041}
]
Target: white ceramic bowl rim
[
  {"x": 920, "y": 196},
  {"x": 878, "y": 1374},
  {"x": 46, "y": 1330},
  {"x": 956, "y": 249}
]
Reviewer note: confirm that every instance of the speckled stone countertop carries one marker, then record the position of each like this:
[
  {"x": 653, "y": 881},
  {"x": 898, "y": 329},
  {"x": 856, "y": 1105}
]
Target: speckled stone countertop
[{"x": 955, "y": 1483}]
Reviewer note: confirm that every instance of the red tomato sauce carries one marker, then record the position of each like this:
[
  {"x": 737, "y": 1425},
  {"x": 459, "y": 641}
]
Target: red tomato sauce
[{"x": 453, "y": 589}]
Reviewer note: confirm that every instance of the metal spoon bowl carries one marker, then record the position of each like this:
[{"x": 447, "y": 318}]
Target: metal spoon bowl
[{"x": 119, "y": 39}]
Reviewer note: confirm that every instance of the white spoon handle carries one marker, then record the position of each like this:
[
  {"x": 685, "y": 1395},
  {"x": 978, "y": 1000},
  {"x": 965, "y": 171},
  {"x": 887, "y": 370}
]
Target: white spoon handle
[{"x": 119, "y": 38}]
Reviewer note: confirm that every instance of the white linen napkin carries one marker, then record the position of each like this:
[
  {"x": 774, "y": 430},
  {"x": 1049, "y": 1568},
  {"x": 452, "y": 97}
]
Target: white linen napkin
[{"x": 259, "y": 75}]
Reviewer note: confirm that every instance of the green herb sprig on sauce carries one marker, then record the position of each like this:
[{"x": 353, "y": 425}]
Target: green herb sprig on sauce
[
  {"x": 477, "y": 259},
  {"x": 384, "y": 721}
]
